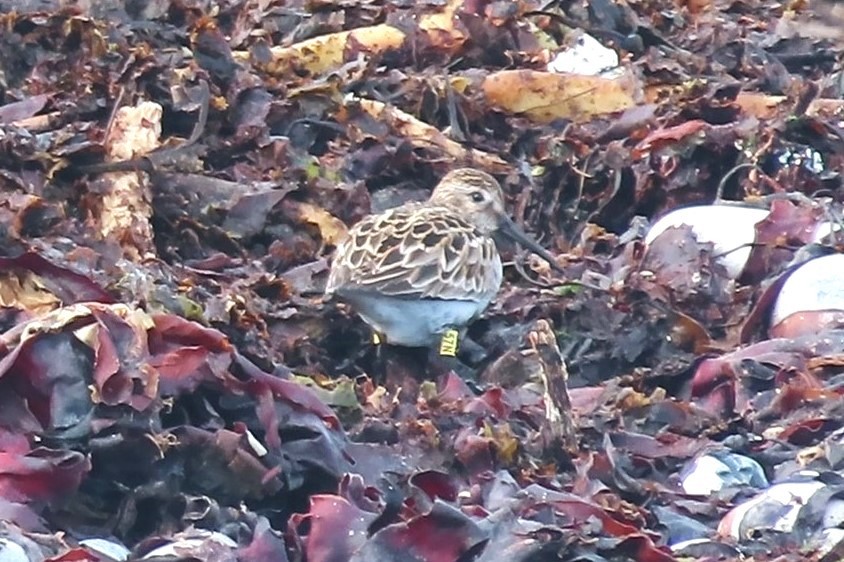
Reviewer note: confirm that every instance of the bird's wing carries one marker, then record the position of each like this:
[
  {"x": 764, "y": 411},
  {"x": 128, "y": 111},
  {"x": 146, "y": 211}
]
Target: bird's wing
[{"x": 416, "y": 252}]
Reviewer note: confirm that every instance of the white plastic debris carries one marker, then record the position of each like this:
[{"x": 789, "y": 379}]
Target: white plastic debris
[{"x": 584, "y": 56}]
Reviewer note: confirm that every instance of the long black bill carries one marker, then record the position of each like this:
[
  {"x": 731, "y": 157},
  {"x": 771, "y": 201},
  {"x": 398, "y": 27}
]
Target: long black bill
[{"x": 509, "y": 229}]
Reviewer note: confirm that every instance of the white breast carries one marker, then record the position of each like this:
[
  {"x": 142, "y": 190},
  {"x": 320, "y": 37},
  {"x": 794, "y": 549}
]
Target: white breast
[{"x": 416, "y": 322}]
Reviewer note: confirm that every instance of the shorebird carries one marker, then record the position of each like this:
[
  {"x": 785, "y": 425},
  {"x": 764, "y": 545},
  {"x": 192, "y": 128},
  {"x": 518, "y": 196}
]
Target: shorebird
[{"x": 419, "y": 273}]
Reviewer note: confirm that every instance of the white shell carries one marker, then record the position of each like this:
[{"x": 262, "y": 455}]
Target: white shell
[
  {"x": 781, "y": 501},
  {"x": 110, "y": 548},
  {"x": 833, "y": 515},
  {"x": 198, "y": 536},
  {"x": 703, "y": 476},
  {"x": 11, "y": 551},
  {"x": 708, "y": 473},
  {"x": 731, "y": 229},
  {"x": 814, "y": 286}
]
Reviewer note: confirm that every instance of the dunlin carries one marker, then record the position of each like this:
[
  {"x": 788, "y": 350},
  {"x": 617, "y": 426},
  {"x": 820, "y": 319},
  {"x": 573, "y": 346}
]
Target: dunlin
[{"x": 418, "y": 274}]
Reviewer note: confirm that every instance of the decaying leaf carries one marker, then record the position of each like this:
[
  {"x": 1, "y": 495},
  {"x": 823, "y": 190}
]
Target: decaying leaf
[
  {"x": 26, "y": 292},
  {"x": 425, "y": 136},
  {"x": 331, "y": 229},
  {"x": 125, "y": 208},
  {"x": 328, "y": 52},
  {"x": 545, "y": 96}
]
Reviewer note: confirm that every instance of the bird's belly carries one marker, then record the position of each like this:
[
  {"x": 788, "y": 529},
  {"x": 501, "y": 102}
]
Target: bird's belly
[{"x": 416, "y": 323}]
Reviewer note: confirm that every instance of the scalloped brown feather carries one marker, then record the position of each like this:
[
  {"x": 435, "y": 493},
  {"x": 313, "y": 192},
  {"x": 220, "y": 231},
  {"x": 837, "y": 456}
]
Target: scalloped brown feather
[{"x": 417, "y": 251}]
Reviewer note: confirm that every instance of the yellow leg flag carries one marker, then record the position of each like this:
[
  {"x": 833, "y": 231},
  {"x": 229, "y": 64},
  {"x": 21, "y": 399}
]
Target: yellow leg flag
[{"x": 448, "y": 343}]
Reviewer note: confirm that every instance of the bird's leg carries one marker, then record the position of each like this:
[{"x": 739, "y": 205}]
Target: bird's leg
[
  {"x": 470, "y": 352},
  {"x": 444, "y": 357},
  {"x": 379, "y": 365}
]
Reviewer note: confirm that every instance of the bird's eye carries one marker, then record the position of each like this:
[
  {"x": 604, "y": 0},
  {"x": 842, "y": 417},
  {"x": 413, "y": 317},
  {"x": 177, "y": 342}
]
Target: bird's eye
[{"x": 477, "y": 196}]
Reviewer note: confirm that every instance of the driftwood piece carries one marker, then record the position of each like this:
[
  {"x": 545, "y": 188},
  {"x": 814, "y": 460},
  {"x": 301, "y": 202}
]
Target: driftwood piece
[{"x": 558, "y": 426}]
